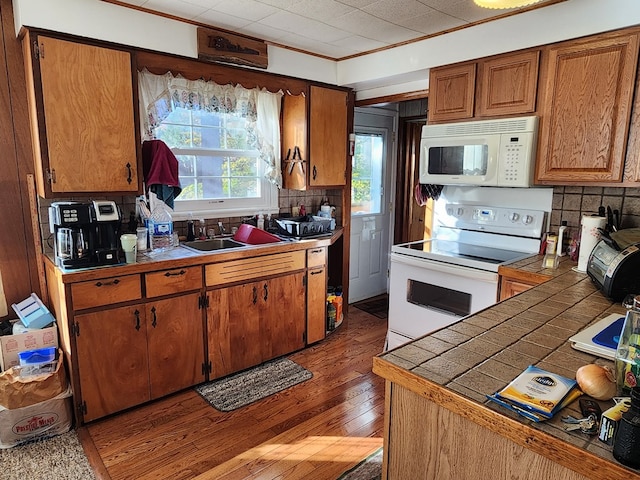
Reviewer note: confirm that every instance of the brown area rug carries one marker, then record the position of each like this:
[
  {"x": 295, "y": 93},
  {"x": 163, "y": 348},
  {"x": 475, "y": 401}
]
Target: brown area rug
[
  {"x": 246, "y": 387},
  {"x": 368, "y": 469},
  {"x": 57, "y": 457},
  {"x": 377, "y": 306}
]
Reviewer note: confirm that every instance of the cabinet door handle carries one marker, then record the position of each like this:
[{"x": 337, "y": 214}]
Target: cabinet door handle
[
  {"x": 153, "y": 312},
  {"x": 265, "y": 288},
  {"x": 255, "y": 295},
  {"x": 114, "y": 282},
  {"x": 137, "y": 314},
  {"x": 129, "y": 175},
  {"x": 317, "y": 272},
  {"x": 315, "y": 172},
  {"x": 177, "y": 274}
]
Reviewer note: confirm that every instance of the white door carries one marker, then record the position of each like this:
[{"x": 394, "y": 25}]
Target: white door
[{"x": 371, "y": 211}]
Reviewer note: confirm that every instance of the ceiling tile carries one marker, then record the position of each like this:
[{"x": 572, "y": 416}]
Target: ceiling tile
[
  {"x": 222, "y": 20},
  {"x": 358, "y": 44},
  {"x": 320, "y": 10},
  {"x": 366, "y": 25},
  {"x": 432, "y": 22},
  {"x": 282, "y": 4},
  {"x": 175, "y": 7},
  {"x": 260, "y": 30},
  {"x": 303, "y": 26},
  {"x": 249, "y": 9},
  {"x": 358, "y": 3},
  {"x": 397, "y": 10}
]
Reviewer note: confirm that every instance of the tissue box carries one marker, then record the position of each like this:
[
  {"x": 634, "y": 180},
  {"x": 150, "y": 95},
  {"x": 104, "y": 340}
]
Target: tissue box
[
  {"x": 12, "y": 345},
  {"x": 33, "y": 313}
]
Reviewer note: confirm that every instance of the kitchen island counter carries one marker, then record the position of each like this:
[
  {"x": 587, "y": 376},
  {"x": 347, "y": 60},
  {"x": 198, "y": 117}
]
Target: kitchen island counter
[{"x": 438, "y": 421}]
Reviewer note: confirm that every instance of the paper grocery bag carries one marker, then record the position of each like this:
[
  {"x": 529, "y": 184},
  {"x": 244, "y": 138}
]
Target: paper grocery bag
[{"x": 17, "y": 392}]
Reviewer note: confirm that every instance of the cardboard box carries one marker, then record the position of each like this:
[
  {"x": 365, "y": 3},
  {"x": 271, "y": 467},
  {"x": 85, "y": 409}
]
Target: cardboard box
[
  {"x": 12, "y": 345},
  {"x": 41, "y": 420}
]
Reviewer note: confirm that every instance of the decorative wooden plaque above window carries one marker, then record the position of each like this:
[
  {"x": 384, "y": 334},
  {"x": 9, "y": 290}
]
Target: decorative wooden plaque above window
[{"x": 220, "y": 46}]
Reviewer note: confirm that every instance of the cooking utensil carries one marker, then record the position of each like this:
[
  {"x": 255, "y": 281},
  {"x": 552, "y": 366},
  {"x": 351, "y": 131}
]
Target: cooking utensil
[
  {"x": 616, "y": 214},
  {"x": 610, "y": 225}
]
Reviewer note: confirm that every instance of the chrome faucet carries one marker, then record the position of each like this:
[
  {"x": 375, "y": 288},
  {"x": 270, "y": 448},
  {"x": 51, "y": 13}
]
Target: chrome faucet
[{"x": 221, "y": 227}]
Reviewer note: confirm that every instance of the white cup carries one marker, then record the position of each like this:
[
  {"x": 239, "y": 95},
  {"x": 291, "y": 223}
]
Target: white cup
[{"x": 129, "y": 242}]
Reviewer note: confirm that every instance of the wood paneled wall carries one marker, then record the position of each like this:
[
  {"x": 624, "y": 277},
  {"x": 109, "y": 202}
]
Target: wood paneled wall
[{"x": 17, "y": 252}]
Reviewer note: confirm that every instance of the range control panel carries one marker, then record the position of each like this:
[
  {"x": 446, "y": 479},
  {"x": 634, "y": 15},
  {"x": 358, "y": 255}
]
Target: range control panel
[{"x": 508, "y": 221}]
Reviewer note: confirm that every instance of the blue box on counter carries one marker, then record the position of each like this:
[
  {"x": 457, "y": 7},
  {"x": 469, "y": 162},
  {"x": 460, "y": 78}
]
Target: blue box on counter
[{"x": 33, "y": 313}]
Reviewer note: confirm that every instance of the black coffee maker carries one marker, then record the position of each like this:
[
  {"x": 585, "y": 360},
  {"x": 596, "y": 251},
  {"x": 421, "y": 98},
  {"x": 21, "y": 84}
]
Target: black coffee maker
[{"x": 85, "y": 234}]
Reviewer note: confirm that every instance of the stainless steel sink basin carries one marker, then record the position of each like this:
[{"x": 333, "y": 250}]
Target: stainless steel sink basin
[{"x": 212, "y": 244}]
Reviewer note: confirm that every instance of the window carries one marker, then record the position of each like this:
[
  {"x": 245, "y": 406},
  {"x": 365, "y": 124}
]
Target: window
[
  {"x": 367, "y": 172},
  {"x": 226, "y": 140}
]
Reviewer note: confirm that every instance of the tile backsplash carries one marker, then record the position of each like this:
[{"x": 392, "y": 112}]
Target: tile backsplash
[
  {"x": 311, "y": 199},
  {"x": 571, "y": 203}
]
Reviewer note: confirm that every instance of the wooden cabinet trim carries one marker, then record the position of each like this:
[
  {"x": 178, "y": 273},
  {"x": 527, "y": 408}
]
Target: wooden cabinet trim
[{"x": 250, "y": 268}]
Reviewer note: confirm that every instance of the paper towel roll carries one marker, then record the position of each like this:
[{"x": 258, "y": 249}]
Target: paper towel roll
[{"x": 589, "y": 237}]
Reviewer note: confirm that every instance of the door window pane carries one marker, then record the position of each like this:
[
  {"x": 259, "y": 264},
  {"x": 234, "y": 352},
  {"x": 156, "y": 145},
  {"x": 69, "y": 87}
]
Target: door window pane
[{"x": 366, "y": 181}]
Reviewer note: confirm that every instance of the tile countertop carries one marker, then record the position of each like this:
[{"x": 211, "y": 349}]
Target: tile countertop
[{"x": 482, "y": 353}]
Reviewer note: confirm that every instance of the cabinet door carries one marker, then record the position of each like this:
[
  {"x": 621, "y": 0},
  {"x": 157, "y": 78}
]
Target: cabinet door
[
  {"x": 87, "y": 102},
  {"x": 316, "y": 304},
  {"x": 509, "y": 288},
  {"x": 282, "y": 315},
  {"x": 328, "y": 137},
  {"x": 507, "y": 84},
  {"x": 451, "y": 92},
  {"x": 585, "y": 109},
  {"x": 112, "y": 360},
  {"x": 294, "y": 134},
  {"x": 176, "y": 344},
  {"x": 233, "y": 328}
]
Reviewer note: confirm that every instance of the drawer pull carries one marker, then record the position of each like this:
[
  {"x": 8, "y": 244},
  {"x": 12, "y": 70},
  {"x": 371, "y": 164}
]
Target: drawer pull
[
  {"x": 266, "y": 292},
  {"x": 137, "y": 314},
  {"x": 153, "y": 312},
  {"x": 317, "y": 250},
  {"x": 255, "y": 295},
  {"x": 170, "y": 274},
  {"x": 100, "y": 284},
  {"x": 317, "y": 272}
]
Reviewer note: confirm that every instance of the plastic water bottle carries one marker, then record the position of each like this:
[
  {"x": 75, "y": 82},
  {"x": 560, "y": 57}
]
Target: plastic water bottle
[{"x": 161, "y": 228}]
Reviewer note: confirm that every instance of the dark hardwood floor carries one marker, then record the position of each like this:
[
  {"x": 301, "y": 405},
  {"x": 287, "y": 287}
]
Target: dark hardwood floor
[{"x": 315, "y": 430}]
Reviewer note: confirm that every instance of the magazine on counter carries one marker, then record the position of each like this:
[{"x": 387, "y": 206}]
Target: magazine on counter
[{"x": 537, "y": 394}]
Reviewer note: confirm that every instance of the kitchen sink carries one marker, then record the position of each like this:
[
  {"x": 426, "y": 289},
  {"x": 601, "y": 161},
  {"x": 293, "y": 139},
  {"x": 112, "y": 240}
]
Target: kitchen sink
[{"x": 212, "y": 244}]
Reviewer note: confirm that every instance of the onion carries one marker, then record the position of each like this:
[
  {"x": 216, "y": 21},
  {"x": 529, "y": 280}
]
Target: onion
[{"x": 597, "y": 381}]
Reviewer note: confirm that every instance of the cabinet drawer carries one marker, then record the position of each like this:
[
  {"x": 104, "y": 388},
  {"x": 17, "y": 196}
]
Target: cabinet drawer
[
  {"x": 105, "y": 291},
  {"x": 256, "y": 267},
  {"x": 176, "y": 280},
  {"x": 316, "y": 257}
]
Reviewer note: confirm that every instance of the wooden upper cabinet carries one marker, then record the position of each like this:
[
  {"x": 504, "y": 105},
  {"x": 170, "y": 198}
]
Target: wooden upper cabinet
[
  {"x": 82, "y": 117},
  {"x": 507, "y": 84},
  {"x": 451, "y": 92},
  {"x": 328, "y": 110},
  {"x": 294, "y": 134},
  {"x": 586, "y": 98}
]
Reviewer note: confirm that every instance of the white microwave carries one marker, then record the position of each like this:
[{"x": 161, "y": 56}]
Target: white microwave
[{"x": 485, "y": 152}]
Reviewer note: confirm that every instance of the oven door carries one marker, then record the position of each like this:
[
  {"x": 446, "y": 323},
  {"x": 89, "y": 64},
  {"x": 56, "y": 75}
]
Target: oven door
[{"x": 426, "y": 295}]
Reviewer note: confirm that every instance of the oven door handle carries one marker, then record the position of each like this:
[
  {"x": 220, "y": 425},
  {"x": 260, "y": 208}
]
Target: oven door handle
[{"x": 467, "y": 272}]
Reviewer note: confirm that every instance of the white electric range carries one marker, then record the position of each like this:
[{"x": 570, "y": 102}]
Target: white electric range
[{"x": 436, "y": 282}]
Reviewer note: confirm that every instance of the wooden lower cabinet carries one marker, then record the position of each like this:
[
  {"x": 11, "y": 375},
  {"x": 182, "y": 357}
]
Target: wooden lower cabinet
[
  {"x": 251, "y": 323},
  {"x": 316, "y": 304},
  {"x": 130, "y": 355}
]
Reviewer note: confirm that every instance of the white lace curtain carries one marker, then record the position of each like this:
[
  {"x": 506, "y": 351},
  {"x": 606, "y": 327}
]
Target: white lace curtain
[{"x": 161, "y": 94}]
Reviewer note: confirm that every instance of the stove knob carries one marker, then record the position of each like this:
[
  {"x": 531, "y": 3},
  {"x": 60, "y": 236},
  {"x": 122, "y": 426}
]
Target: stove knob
[
  {"x": 527, "y": 219},
  {"x": 514, "y": 217},
  {"x": 459, "y": 212}
]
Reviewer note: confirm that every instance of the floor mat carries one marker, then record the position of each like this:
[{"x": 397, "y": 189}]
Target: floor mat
[
  {"x": 377, "y": 306},
  {"x": 246, "y": 387},
  {"x": 368, "y": 469}
]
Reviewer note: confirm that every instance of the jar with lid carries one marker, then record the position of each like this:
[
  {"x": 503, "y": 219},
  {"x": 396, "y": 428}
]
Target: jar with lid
[{"x": 626, "y": 446}]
